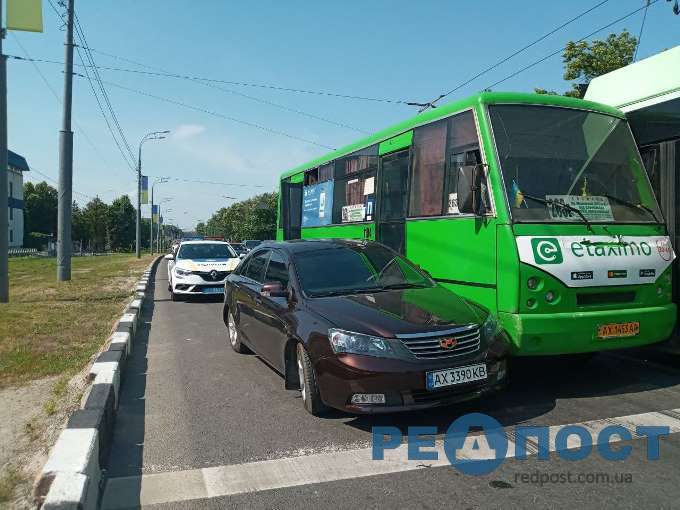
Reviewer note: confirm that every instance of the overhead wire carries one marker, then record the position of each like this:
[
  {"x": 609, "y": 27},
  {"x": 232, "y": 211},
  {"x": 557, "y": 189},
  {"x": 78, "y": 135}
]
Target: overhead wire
[
  {"x": 432, "y": 104},
  {"x": 543, "y": 59}
]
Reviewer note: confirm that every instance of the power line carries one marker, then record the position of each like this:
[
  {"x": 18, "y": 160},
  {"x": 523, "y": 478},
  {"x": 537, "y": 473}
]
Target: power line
[
  {"x": 231, "y": 91},
  {"x": 58, "y": 99},
  {"x": 642, "y": 27},
  {"x": 51, "y": 179},
  {"x": 201, "y": 181},
  {"x": 432, "y": 103},
  {"x": 96, "y": 96},
  {"x": 241, "y": 83},
  {"x": 533, "y": 64},
  {"x": 81, "y": 35},
  {"x": 215, "y": 114}
]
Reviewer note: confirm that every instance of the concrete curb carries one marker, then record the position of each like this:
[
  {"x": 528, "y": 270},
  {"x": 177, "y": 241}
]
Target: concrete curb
[{"x": 71, "y": 477}]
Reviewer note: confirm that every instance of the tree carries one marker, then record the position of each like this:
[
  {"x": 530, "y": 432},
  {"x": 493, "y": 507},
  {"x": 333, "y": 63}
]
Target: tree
[
  {"x": 254, "y": 218},
  {"x": 40, "y": 213},
  {"x": 200, "y": 228},
  {"x": 584, "y": 61},
  {"x": 95, "y": 215},
  {"x": 121, "y": 224}
]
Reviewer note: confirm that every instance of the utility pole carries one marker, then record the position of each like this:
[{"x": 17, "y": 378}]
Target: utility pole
[
  {"x": 4, "y": 221},
  {"x": 64, "y": 245}
]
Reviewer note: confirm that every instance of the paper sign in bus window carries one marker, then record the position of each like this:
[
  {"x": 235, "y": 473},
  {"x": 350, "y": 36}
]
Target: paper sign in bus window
[
  {"x": 453, "y": 204},
  {"x": 352, "y": 213},
  {"x": 594, "y": 208}
]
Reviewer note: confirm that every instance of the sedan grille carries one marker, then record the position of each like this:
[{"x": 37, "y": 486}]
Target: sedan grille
[
  {"x": 212, "y": 276},
  {"x": 443, "y": 344}
]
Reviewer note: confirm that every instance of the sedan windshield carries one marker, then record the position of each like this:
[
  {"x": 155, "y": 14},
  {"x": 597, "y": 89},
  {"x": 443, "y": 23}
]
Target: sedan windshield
[
  {"x": 566, "y": 165},
  {"x": 206, "y": 251},
  {"x": 356, "y": 268}
]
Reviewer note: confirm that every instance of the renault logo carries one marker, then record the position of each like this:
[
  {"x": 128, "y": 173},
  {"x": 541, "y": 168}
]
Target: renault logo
[
  {"x": 213, "y": 274},
  {"x": 448, "y": 343}
]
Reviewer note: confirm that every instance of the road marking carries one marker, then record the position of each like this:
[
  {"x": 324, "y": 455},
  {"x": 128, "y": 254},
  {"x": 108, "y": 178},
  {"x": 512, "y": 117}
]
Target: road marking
[{"x": 264, "y": 475}]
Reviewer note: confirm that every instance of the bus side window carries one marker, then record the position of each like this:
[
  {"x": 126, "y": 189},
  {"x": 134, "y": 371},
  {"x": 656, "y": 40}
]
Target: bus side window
[{"x": 463, "y": 151}]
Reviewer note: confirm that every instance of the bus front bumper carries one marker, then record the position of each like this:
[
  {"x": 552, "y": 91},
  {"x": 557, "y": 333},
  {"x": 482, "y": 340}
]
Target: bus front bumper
[{"x": 576, "y": 332}]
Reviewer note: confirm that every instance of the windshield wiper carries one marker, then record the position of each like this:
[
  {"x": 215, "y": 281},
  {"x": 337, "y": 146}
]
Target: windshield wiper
[
  {"x": 343, "y": 292},
  {"x": 404, "y": 285},
  {"x": 563, "y": 206},
  {"x": 633, "y": 206}
]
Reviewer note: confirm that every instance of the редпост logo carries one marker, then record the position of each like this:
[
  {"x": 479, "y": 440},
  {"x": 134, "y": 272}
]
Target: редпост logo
[{"x": 546, "y": 250}]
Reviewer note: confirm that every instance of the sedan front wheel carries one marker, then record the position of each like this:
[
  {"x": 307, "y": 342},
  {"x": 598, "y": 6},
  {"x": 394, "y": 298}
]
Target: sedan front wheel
[{"x": 309, "y": 389}]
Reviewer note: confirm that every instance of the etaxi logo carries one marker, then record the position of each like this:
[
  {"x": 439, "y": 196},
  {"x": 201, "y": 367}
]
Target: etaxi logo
[{"x": 546, "y": 250}]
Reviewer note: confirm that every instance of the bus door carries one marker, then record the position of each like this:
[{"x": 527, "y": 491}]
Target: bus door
[
  {"x": 393, "y": 200},
  {"x": 292, "y": 209}
]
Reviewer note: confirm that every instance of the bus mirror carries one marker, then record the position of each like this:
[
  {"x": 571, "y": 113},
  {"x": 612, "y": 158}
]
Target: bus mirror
[
  {"x": 469, "y": 189},
  {"x": 465, "y": 189}
]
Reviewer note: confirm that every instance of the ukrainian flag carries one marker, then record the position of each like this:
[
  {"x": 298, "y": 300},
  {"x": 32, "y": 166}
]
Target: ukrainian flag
[{"x": 517, "y": 195}]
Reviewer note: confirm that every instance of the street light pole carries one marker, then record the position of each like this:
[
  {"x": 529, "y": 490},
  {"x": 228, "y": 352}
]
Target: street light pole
[{"x": 154, "y": 135}]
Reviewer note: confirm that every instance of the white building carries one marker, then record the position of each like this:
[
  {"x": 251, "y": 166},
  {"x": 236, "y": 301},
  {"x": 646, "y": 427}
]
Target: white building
[{"x": 15, "y": 189}]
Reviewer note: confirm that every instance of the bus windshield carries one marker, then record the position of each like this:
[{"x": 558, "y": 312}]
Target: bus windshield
[{"x": 567, "y": 165}]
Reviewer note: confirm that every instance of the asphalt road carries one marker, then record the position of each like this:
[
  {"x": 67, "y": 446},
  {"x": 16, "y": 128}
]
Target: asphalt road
[{"x": 200, "y": 426}]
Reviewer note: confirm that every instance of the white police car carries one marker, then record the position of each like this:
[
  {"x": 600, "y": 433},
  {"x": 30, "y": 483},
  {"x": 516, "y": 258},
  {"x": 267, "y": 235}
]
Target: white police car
[{"x": 199, "y": 268}]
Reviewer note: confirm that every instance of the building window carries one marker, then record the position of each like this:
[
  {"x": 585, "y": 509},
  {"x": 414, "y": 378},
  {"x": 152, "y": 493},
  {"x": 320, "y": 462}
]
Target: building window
[{"x": 11, "y": 235}]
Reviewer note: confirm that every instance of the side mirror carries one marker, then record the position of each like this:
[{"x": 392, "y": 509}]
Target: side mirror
[
  {"x": 241, "y": 256},
  {"x": 273, "y": 289},
  {"x": 169, "y": 256},
  {"x": 469, "y": 189}
]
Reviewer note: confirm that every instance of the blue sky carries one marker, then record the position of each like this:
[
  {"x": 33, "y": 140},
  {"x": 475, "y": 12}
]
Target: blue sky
[{"x": 403, "y": 50}]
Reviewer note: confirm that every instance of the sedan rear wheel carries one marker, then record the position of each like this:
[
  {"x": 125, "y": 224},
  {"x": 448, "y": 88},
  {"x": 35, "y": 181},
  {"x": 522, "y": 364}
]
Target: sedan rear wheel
[
  {"x": 234, "y": 337},
  {"x": 309, "y": 389}
]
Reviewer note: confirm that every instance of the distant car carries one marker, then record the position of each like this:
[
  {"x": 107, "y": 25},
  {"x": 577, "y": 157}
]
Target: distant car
[
  {"x": 376, "y": 334},
  {"x": 251, "y": 243},
  {"x": 200, "y": 268},
  {"x": 239, "y": 248}
]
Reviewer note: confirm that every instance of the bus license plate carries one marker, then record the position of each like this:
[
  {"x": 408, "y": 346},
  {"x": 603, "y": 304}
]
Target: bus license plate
[
  {"x": 620, "y": 330},
  {"x": 451, "y": 376}
]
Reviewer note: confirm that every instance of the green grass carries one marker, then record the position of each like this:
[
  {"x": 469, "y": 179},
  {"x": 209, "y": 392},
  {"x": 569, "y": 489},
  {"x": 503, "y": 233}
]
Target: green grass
[
  {"x": 9, "y": 479},
  {"x": 51, "y": 328}
]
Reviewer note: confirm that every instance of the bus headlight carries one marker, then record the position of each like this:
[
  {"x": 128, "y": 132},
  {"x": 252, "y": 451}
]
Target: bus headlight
[
  {"x": 550, "y": 296},
  {"x": 532, "y": 283}
]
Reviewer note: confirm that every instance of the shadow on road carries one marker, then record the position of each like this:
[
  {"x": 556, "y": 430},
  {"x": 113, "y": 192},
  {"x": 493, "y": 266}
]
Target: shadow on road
[{"x": 127, "y": 452}]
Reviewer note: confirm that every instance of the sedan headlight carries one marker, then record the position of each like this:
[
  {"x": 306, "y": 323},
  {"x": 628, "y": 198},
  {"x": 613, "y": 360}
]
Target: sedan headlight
[
  {"x": 182, "y": 272},
  {"x": 356, "y": 343}
]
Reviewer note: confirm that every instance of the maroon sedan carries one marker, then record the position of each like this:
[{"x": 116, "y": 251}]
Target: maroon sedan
[{"x": 355, "y": 326}]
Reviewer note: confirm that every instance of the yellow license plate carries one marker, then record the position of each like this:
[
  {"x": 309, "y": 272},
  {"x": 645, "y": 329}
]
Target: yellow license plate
[{"x": 620, "y": 330}]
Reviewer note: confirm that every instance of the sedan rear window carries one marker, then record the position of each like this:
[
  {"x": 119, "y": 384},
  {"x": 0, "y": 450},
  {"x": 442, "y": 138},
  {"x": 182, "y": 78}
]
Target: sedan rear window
[{"x": 355, "y": 269}]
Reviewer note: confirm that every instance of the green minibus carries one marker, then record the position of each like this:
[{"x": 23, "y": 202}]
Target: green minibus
[{"x": 537, "y": 207}]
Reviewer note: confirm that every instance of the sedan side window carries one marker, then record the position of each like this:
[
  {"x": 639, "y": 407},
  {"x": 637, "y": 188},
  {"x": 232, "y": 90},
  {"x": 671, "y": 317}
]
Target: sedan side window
[
  {"x": 256, "y": 265},
  {"x": 277, "y": 271}
]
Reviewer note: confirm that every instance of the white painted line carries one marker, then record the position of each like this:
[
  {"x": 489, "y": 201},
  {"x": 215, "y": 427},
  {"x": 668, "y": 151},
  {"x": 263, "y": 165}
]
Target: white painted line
[{"x": 317, "y": 468}]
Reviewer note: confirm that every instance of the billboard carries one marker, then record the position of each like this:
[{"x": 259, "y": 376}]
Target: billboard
[{"x": 317, "y": 204}]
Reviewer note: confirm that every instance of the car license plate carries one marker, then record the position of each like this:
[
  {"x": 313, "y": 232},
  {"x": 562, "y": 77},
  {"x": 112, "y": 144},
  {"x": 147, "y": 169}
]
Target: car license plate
[
  {"x": 619, "y": 330},
  {"x": 452, "y": 376},
  {"x": 213, "y": 290}
]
